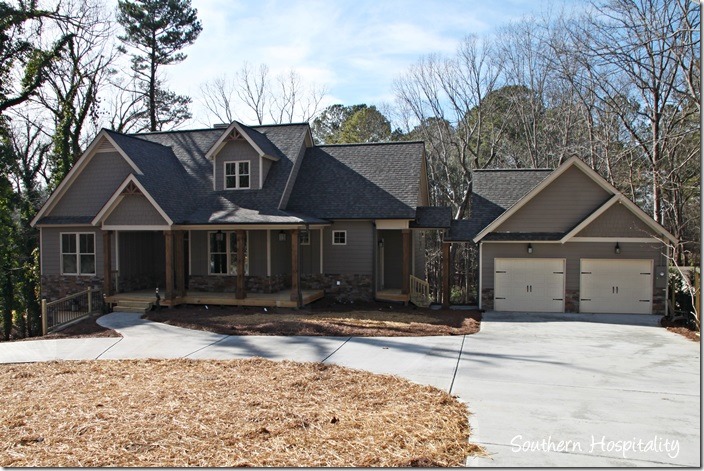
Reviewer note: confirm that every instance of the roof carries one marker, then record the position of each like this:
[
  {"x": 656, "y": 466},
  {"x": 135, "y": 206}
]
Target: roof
[
  {"x": 304, "y": 185},
  {"x": 432, "y": 217},
  {"x": 368, "y": 181},
  {"x": 493, "y": 192}
]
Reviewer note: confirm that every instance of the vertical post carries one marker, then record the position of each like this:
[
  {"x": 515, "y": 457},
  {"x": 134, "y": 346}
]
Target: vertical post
[
  {"x": 697, "y": 295},
  {"x": 241, "y": 246},
  {"x": 169, "y": 258},
  {"x": 180, "y": 264},
  {"x": 45, "y": 319},
  {"x": 445, "y": 275},
  {"x": 295, "y": 269},
  {"x": 406, "y": 270},
  {"x": 107, "y": 262},
  {"x": 90, "y": 300}
]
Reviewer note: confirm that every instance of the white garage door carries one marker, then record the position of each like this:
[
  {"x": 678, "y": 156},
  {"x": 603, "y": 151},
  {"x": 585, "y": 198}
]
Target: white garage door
[
  {"x": 616, "y": 286},
  {"x": 531, "y": 285}
]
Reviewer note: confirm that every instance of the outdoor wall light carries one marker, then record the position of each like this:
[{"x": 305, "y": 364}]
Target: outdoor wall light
[
  {"x": 530, "y": 248},
  {"x": 617, "y": 249},
  {"x": 282, "y": 236},
  {"x": 219, "y": 236}
]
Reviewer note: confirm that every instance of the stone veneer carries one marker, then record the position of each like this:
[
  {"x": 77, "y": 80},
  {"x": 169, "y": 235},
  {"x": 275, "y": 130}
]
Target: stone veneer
[
  {"x": 350, "y": 287},
  {"x": 58, "y": 286},
  {"x": 228, "y": 284}
]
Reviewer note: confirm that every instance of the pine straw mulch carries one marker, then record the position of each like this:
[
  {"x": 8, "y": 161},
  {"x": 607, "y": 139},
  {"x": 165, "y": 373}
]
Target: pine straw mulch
[
  {"x": 224, "y": 413},
  {"x": 685, "y": 332},
  {"x": 323, "y": 318}
]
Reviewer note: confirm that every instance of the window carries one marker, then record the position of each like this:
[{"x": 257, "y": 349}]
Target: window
[
  {"x": 339, "y": 237},
  {"x": 304, "y": 237},
  {"x": 222, "y": 251},
  {"x": 236, "y": 175},
  {"x": 78, "y": 253}
]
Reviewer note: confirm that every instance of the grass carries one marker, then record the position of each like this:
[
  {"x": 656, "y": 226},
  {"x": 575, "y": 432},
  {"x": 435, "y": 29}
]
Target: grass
[
  {"x": 323, "y": 318},
  {"x": 224, "y": 413}
]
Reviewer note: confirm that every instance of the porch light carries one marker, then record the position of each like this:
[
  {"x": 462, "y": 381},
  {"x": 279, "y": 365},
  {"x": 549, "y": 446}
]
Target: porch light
[
  {"x": 282, "y": 236},
  {"x": 219, "y": 236},
  {"x": 617, "y": 249},
  {"x": 530, "y": 248}
]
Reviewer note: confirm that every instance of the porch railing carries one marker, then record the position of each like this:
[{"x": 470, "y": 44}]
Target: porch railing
[
  {"x": 420, "y": 292},
  {"x": 69, "y": 309}
]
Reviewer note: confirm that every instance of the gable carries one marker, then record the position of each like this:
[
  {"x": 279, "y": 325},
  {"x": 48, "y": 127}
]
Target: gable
[
  {"x": 560, "y": 206},
  {"x": 237, "y": 151},
  {"x": 135, "y": 210},
  {"x": 617, "y": 221},
  {"x": 94, "y": 185}
]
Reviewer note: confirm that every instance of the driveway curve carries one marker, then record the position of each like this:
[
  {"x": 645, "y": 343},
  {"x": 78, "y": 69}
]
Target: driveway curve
[{"x": 543, "y": 389}]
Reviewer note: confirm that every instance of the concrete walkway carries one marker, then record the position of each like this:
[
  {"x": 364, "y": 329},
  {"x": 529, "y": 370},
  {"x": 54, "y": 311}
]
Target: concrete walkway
[{"x": 596, "y": 383}]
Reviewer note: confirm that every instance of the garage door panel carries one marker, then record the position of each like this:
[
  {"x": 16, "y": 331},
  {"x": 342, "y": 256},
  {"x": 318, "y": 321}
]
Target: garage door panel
[
  {"x": 616, "y": 286},
  {"x": 532, "y": 285}
]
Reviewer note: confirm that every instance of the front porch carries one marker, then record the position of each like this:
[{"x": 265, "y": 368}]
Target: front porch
[{"x": 279, "y": 299}]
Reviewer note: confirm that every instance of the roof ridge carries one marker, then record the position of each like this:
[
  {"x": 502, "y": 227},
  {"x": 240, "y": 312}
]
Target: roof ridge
[
  {"x": 514, "y": 170},
  {"x": 360, "y": 144}
]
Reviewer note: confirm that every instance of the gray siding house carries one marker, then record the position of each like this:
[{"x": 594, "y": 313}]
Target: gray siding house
[
  {"x": 237, "y": 215},
  {"x": 563, "y": 240}
]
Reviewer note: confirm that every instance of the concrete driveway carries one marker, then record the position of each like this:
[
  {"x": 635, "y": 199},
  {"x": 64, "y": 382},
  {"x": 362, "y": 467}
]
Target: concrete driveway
[{"x": 544, "y": 390}]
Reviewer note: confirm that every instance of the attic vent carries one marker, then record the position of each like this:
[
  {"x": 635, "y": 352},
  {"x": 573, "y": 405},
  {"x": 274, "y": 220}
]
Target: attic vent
[
  {"x": 221, "y": 126},
  {"x": 131, "y": 189}
]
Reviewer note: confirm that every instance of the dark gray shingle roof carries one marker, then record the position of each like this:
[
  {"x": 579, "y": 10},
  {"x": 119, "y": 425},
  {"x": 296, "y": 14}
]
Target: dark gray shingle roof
[
  {"x": 376, "y": 181},
  {"x": 432, "y": 217},
  {"x": 493, "y": 192}
]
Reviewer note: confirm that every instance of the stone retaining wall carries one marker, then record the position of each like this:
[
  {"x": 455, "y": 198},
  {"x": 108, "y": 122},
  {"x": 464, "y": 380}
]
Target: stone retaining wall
[
  {"x": 344, "y": 288},
  {"x": 58, "y": 286}
]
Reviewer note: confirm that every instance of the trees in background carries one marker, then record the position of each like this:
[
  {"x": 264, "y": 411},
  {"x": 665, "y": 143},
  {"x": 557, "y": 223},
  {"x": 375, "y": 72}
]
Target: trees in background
[
  {"x": 253, "y": 92},
  {"x": 157, "y": 30}
]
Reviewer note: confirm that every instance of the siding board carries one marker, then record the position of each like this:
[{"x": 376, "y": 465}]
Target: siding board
[
  {"x": 135, "y": 210},
  {"x": 94, "y": 186},
  {"x": 617, "y": 221},
  {"x": 51, "y": 248},
  {"x": 562, "y": 205},
  {"x": 237, "y": 151},
  {"x": 354, "y": 258}
]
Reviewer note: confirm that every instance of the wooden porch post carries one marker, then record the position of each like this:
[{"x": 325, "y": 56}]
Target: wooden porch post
[
  {"x": 445, "y": 275},
  {"x": 180, "y": 264},
  {"x": 169, "y": 256},
  {"x": 107, "y": 263},
  {"x": 240, "y": 291},
  {"x": 295, "y": 269},
  {"x": 406, "y": 270}
]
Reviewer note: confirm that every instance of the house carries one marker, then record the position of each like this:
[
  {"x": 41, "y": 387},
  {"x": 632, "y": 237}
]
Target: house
[
  {"x": 238, "y": 215},
  {"x": 563, "y": 240}
]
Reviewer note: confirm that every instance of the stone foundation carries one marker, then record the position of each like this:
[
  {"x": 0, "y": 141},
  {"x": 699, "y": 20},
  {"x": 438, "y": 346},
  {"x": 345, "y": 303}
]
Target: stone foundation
[
  {"x": 488, "y": 299},
  {"x": 659, "y": 302},
  {"x": 572, "y": 300},
  {"x": 343, "y": 288},
  {"x": 140, "y": 282},
  {"x": 58, "y": 286},
  {"x": 228, "y": 284}
]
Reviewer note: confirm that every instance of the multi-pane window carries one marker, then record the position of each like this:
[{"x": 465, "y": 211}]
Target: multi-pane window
[
  {"x": 236, "y": 175},
  {"x": 222, "y": 250},
  {"x": 304, "y": 237},
  {"x": 78, "y": 253},
  {"x": 339, "y": 237}
]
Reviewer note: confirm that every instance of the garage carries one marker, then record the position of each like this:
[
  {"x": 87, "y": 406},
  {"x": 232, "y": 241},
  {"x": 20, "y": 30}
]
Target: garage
[
  {"x": 616, "y": 286},
  {"x": 536, "y": 285}
]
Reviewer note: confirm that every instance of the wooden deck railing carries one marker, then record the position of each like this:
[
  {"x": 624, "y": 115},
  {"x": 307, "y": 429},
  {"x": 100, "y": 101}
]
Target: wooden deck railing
[
  {"x": 420, "y": 292},
  {"x": 69, "y": 309}
]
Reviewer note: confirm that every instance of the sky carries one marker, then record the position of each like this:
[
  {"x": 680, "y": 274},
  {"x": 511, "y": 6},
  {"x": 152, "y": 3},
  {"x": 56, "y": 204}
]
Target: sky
[{"x": 355, "y": 49}]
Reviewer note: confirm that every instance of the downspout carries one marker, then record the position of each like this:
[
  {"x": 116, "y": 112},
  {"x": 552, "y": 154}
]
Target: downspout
[
  {"x": 375, "y": 258},
  {"x": 479, "y": 289}
]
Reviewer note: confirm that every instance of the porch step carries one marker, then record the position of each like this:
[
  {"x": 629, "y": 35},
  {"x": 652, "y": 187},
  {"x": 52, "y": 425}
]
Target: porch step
[{"x": 132, "y": 306}]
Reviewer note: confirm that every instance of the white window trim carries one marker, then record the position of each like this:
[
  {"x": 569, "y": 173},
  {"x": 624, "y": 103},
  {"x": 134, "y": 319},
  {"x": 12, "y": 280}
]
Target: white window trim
[
  {"x": 78, "y": 253},
  {"x": 228, "y": 253},
  {"x": 236, "y": 175},
  {"x": 308, "y": 241},
  {"x": 338, "y": 243}
]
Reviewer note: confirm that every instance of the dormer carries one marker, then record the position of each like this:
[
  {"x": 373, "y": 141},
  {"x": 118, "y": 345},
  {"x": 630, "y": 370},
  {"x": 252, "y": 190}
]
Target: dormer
[{"x": 239, "y": 159}]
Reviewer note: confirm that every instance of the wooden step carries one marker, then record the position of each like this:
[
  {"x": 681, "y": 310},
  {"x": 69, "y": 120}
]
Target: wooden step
[
  {"x": 134, "y": 303},
  {"x": 139, "y": 310}
]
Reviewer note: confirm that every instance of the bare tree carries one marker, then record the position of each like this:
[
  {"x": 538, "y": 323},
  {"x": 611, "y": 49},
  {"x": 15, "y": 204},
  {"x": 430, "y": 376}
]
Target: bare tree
[{"x": 282, "y": 99}]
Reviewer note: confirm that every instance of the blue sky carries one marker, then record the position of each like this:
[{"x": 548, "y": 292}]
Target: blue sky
[{"x": 353, "y": 48}]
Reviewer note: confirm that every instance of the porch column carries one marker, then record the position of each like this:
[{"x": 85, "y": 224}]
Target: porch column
[
  {"x": 107, "y": 263},
  {"x": 445, "y": 275},
  {"x": 406, "y": 268},
  {"x": 180, "y": 264},
  {"x": 295, "y": 269},
  {"x": 240, "y": 291},
  {"x": 169, "y": 257}
]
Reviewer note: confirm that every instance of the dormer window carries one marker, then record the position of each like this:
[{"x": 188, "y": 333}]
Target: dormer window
[{"x": 236, "y": 175}]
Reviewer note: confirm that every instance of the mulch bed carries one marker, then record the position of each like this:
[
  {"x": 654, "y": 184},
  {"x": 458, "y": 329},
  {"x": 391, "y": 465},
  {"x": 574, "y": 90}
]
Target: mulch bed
[
  {"x": 685, "y": 332},
  {"x": 323, "y": 318},
  {"x": 87, "y": 327},
  {"x": 255, "y": 412}
]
